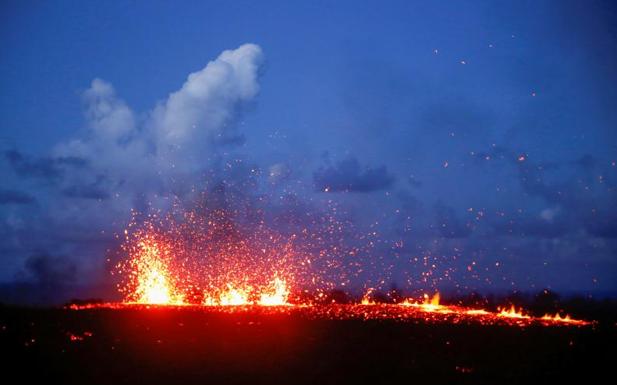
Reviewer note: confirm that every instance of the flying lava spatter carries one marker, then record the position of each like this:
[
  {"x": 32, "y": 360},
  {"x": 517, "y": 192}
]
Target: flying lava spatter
[{"x": 206, "y": 262}]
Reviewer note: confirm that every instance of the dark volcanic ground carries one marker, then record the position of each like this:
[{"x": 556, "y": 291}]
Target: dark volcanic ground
[{"x": 184, "y": 346}]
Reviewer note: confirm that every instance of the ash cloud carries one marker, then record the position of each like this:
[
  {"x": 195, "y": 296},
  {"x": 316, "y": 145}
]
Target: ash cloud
[{"x": 50, "y": 270}]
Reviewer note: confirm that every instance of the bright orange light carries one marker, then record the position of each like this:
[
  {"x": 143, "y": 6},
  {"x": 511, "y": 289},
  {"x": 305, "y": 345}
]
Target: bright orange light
[
  {"x": 196, "y": 259},
  {"x": 476, "y": 312},
  {"x": 366, "y": 299},
  {"x": 163, "y": 269},
  {"x": 277, "y": 295},
  {"x": 558, "y": 318},
  {"x": 155, "y": 289},
  {"x": 512, "y": 313},
  {"x": 430, "y": 304},
  {"x": 154, "y": 284},
  {"x": 233, "y": 297}
]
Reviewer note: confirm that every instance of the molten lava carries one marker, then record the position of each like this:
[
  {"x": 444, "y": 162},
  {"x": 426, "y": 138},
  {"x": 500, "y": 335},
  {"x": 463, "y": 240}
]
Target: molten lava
[
  {"x": 202, "y": 264},
  {"x": 512, "y": 313},
  {"x": 151, "y": 279},
  {"x": 277, "y": 295},
  {"x": 204, "y": 259},
  {"x": 274, "y": 294},
  {"x": 366, "y": 299}
]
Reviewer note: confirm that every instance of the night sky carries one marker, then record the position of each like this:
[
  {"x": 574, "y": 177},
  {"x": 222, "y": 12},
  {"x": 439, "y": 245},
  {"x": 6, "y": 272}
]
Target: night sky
[{"x": 474, "y": 141}]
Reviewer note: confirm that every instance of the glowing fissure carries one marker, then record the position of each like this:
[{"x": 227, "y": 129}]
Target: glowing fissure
[
  {"x": 153, "y": 284},
  {"x": 243, "y": 274}
]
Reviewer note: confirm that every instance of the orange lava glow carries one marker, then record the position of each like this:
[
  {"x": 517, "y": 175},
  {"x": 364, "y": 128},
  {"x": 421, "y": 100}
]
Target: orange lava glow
[
  {"x": 409, "y": 311},
  {"x": 218, "y": 270},
  {"x": 277, "y": 294},
  {"x": 512, "y": 313},
  {"x": 366, "y": 299},
  {"x": 566, "y": 319},
  {"x": 206, "y": 260},
  {"x": 153, "y": 282},
  {"x": 274, "y": 294},
  {"x": 429, "y": 304}
]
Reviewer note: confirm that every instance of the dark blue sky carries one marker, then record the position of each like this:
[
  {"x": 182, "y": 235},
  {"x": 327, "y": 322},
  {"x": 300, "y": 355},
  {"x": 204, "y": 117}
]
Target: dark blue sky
[{"x": 479, "y": 134}]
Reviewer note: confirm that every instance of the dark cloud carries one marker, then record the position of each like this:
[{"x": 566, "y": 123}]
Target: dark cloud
[
  {"x": 47, "y": 269},
  {"x": 46, "y": 168},
  {"x": 45, "y": 279},
  {"x": 347, "y": 175},
  {"x": 95, "y": 190},
  {"x": 85, "y": 192},
  {"x": 15, "y": 197}
]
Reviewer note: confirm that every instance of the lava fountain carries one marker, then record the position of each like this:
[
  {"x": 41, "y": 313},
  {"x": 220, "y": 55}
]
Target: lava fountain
[
  {"x": 204, "y": 264},
  {"x": 150, "y": 278}
]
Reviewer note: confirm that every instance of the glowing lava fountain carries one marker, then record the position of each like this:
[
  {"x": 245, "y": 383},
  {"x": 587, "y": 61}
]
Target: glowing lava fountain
[
  {"x": 170, "y": 268},
  {"x": 151, "y": 280}
]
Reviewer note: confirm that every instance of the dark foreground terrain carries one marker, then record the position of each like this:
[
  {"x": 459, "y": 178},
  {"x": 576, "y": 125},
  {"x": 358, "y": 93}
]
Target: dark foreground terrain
[{"x": 186, "y": 346}]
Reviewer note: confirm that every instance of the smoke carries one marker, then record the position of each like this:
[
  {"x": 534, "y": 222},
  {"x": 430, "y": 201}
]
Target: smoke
[{"x": 178, "y": 135}]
